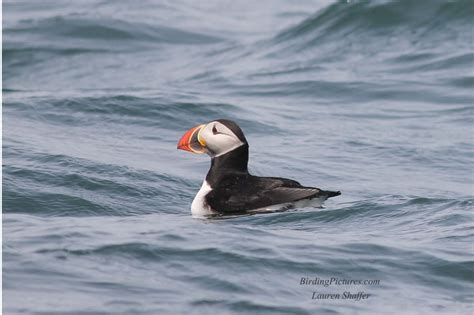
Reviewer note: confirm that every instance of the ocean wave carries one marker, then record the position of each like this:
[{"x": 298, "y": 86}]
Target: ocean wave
[
  {"x": 135, "y": 110},
  {"x": 426, "y": 266},
  {"x": 142, "y": 112},
  {"x": 34, "y": 42},
  {"x": 362, "y": 35},
  {"x": 370, "y": 98},
  {"x": 380, "y": 18},
  {"x": 87, "y": 188},
  {"x": 105, "y": 32}
]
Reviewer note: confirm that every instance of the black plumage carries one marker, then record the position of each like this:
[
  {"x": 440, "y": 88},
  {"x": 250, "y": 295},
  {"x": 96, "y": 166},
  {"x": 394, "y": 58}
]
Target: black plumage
[{"x": 235, "y": 190}]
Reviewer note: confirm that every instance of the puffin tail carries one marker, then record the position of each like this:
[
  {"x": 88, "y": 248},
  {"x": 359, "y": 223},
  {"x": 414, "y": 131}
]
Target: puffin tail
[{"x": 330, "y": 194}]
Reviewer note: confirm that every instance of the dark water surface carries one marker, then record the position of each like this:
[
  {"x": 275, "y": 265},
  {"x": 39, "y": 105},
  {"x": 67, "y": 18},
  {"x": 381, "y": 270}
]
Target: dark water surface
[{"x": 371, "y": 98}]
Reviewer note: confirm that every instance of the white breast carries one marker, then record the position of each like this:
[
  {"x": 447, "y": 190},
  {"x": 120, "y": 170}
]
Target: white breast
[{"x": 199, "y": 207}]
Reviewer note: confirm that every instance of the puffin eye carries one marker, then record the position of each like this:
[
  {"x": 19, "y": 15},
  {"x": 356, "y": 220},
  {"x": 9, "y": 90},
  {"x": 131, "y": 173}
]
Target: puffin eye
[{"x": 214, "y": 130}]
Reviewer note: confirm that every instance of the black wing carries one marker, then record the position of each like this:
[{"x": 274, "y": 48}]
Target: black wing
[{"x": 242, "y": 193}]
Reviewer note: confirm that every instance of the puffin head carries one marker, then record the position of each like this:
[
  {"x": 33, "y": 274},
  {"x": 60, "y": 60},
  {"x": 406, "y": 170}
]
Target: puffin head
[{"x": 215, "y": 138}]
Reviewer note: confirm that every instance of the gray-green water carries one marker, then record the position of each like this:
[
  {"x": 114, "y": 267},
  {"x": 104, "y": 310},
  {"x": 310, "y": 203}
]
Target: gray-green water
[{"x": 371, "y": 98}]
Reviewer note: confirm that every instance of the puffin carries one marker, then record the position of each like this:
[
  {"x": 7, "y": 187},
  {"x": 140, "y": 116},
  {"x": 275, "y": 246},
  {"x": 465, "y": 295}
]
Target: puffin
[{"x": 229, "y": 188}]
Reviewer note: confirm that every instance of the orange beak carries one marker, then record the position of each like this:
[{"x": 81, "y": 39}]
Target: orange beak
[{"x": 191, "y": 141}]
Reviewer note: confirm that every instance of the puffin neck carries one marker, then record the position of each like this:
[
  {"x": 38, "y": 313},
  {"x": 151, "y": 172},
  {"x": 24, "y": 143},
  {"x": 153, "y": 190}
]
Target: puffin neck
[{"x": 233, "y": 162}]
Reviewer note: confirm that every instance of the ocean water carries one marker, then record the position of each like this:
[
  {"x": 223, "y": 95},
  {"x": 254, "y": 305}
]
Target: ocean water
[{"x": 371, "y": 98}]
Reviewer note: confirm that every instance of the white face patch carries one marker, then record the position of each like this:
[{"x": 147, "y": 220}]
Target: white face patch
[{"x": 218, "y": 139}]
